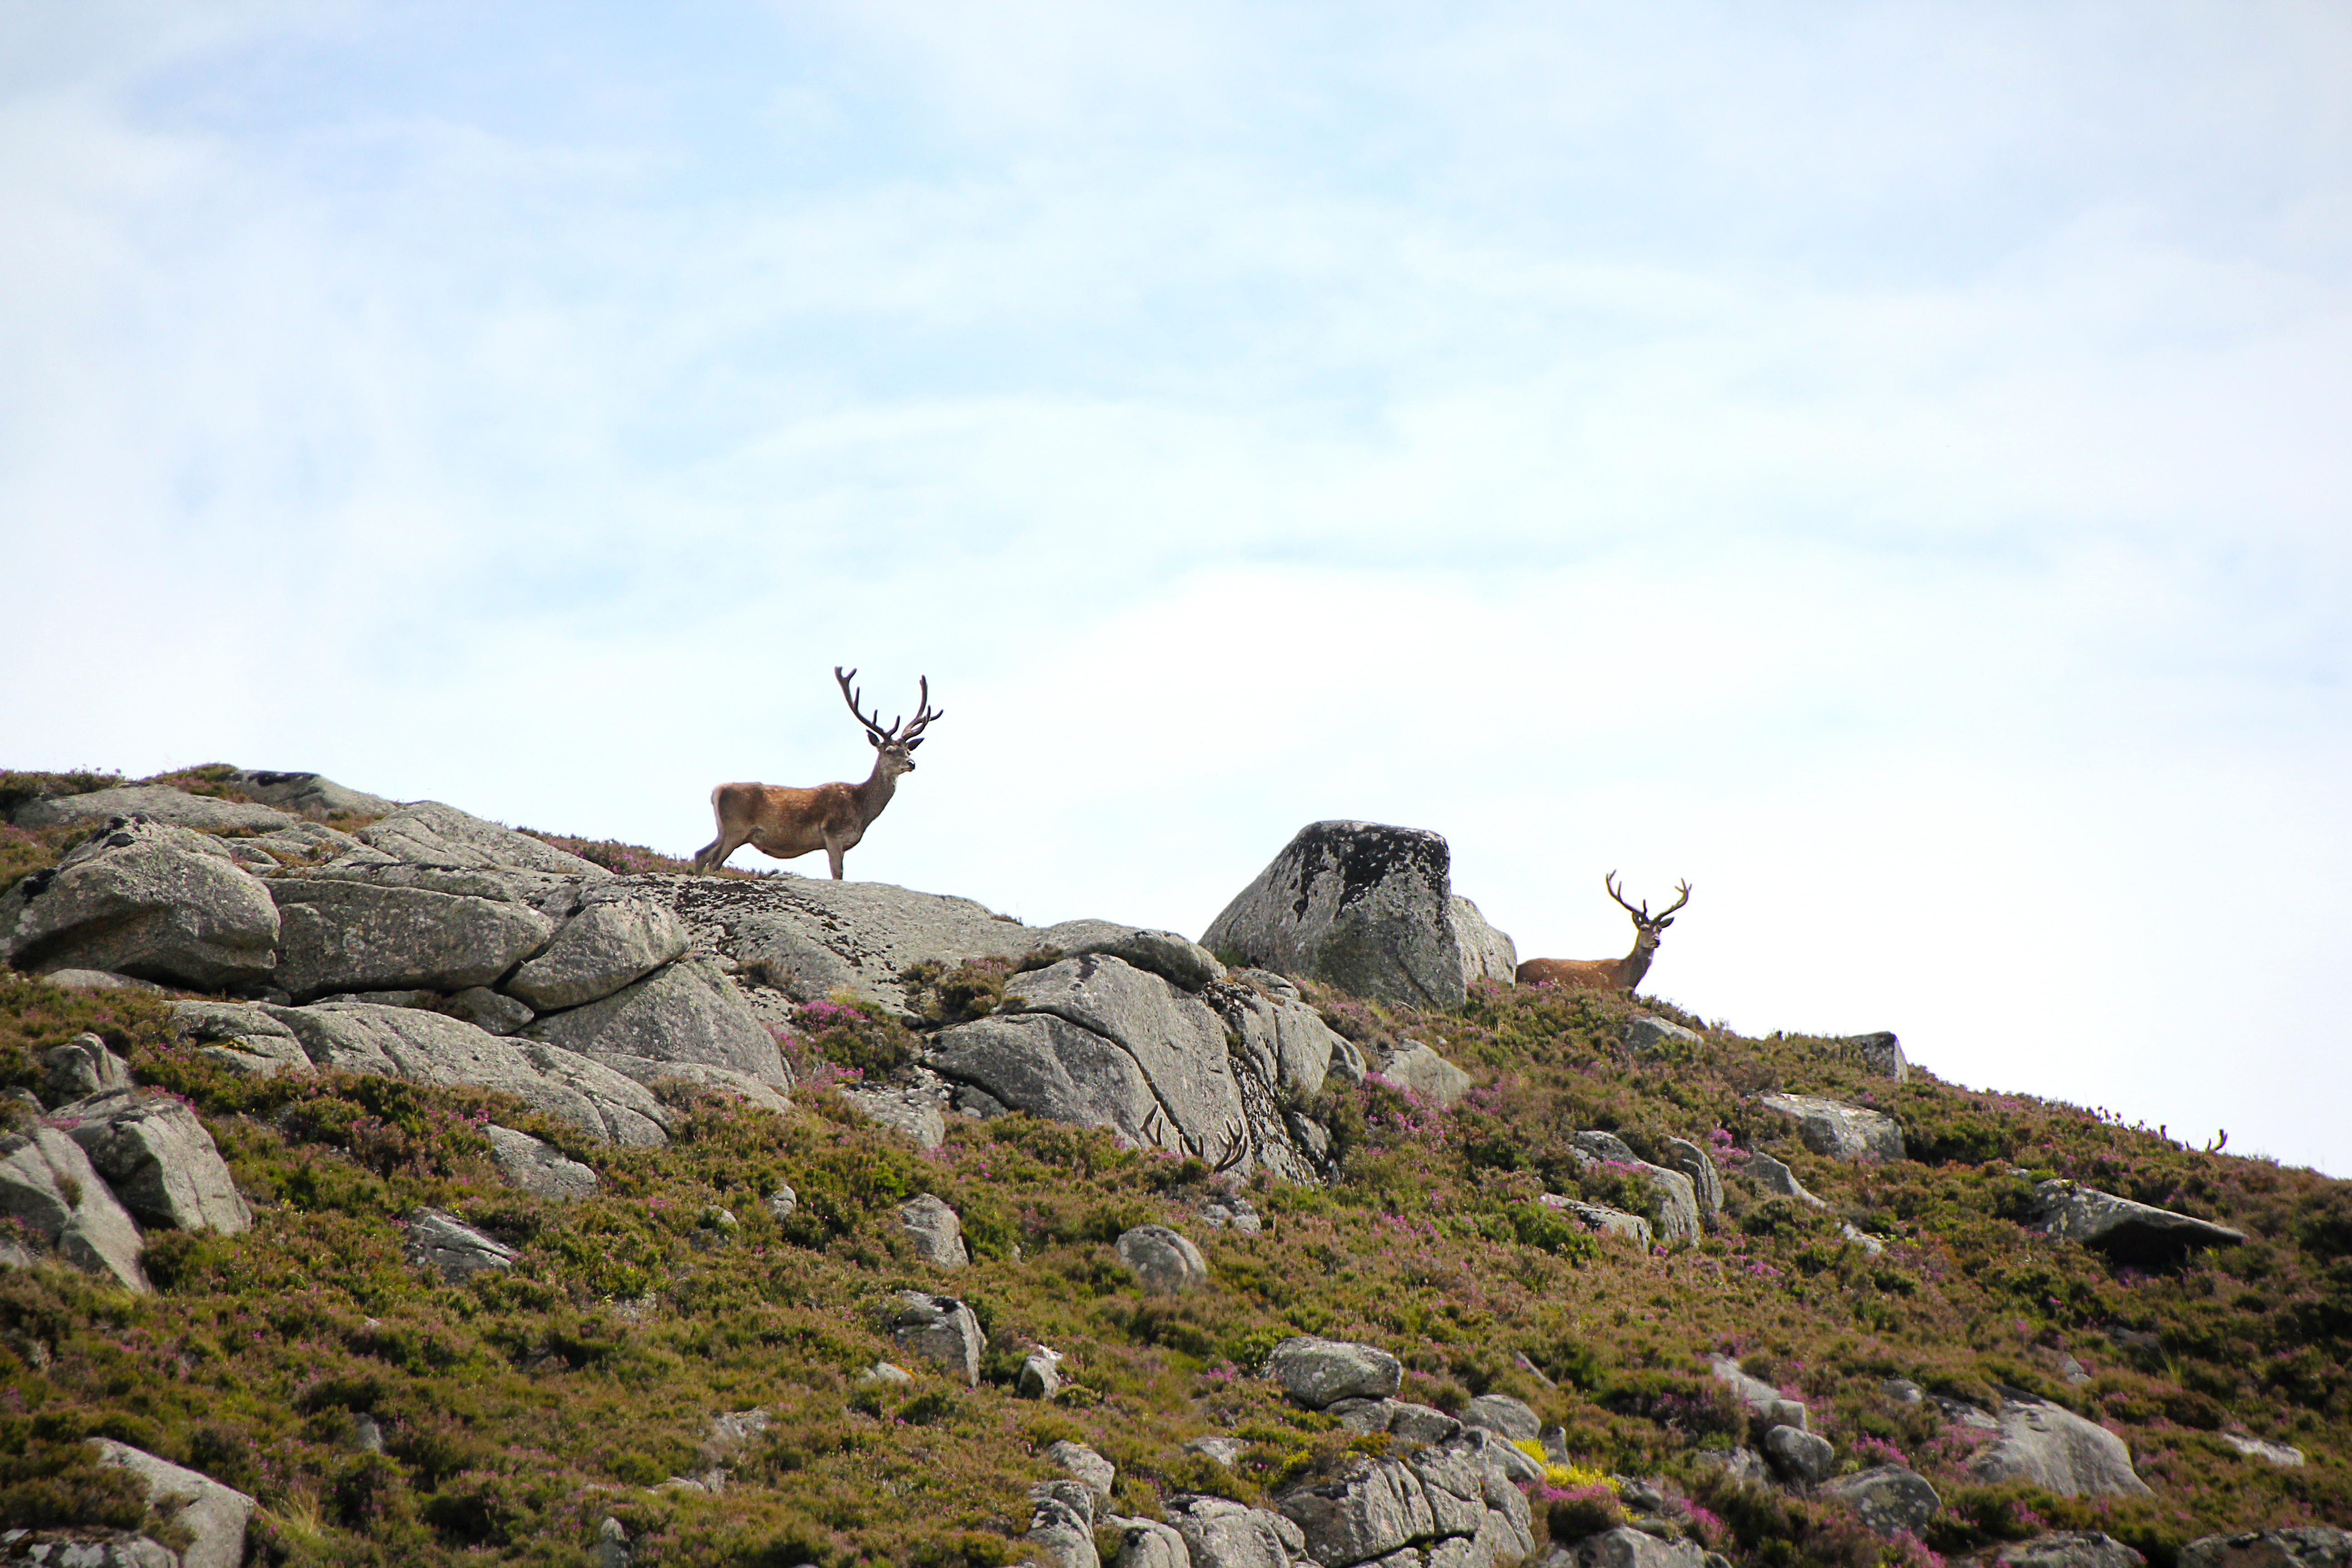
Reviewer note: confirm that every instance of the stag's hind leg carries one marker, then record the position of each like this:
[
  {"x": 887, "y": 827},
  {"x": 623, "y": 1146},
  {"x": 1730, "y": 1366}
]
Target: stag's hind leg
[{"x": 732, "y": 837}]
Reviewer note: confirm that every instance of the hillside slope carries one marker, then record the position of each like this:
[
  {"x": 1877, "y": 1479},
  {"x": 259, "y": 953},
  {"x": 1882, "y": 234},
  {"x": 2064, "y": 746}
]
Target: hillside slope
[{"x": 510, "y": 1416}]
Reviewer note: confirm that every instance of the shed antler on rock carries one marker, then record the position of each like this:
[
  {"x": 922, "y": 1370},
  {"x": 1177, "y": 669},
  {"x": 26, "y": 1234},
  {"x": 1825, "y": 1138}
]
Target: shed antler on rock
[
  {"x": 783, "y": 822},
  {"x": 1610, "y": 974}
]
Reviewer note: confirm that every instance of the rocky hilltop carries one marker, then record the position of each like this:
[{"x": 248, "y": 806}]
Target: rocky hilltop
[{"x": 389, "y": 1184}]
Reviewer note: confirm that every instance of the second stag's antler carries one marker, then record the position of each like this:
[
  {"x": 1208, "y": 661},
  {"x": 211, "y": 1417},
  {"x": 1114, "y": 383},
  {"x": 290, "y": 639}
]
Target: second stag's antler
[{"x": 1642, "y": 917}]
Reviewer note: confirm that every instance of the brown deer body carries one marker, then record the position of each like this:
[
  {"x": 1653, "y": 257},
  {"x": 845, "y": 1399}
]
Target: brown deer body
[
  {"x": 1608, "y": 974},
  {"x": 784, "y": 823}
]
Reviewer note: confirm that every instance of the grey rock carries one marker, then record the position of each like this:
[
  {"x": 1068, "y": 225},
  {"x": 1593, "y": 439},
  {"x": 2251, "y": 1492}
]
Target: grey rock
[
  {"x": 429, "y": 1047},
  {"x": 1625, "y": 1547},
  {"x": 1880, "y": 1052},
  {"x": 366, "y": 1435},
  {"x": 611, "y": 943},
  {"x": 685, "y": 1012},
  {"x": 1363, "y": 907},
  {"x": 354, "y": 930},
  {"x": 939, "y": 1328},
  {"x": 2071, "y": 1549},
  {"x": 1061, "y": 1071},
  {"x": 2125, "y": 1231},
  {"x": 1743, "y": 1465},
  {"x": 1487, "y": 954},
  {"x": 2057, "y": 1450},
  {"x": 101, "y": 980},
  {"x": 538, "y": 1167},
  {"x": 1148, "y": 1544},
  {"x": 1518, "y": 1467},
  {"x": 161, "y": 1163},
  {"x": 313, "y": 795},
  {"x": 1165, "y": 1262},
  {"x": 428, "y": 832},
  {"x": 1888, "y": 1498},
  {"x": 1798, "y": 1455},
  {"x": 1319, "y": 1371},
  {"x": 1221, "y": 1533},
  {"x": 1226, "y": 1451},
  {"x": 145, "y": 899},
  {"x": 812, "y": 937},
  {"x": 2306, "y": 1546},
  {"x": 1649, "y": 1036},
  {"x": 1600, "y": 1217},
  {"x": 883, "y": 1372},
  {"x": 1061, "y": 1536},
  {"x": 1178, "y": 960},
  {"x": 1371, "y": 1508},
  {"x": 241, "y": 1035},
  {"x": 1091, "y": 1469},
  {"x": 1174, "y": 1037},
  {"x": 487, "y": 1010},
  {"x": 47, "y": 1182},
  {"x": 1597, "y": 1144},
  {"x": 1422, "y": 1071},
  {"x": 1902, "y": 1391},
  {"x": 1839, "y": 1130},
  {"x": 1285, "y": 1040},
  {"x": 612, "y": 1544},
  {"x": 2255, "y": 1448},
  {"x": 1707, "y": 1185},
  {"x": 1506, "y": 1417},
  {"x": 1040, "y": 1376},
  {"x": 452, "y": 1249},
  {"x": 80, "y": 1067},
  {"x": 1777, "y": 1179},
  {"x": 1363, "y": 1415},
  {"x": 935, "y": 1231},
  {"x": 1420, "y": 1422},
  {"x": 1861, "y": 1238},
  {"x": 782, "y": 1201},
  {"x": 734, "y": 1431},
  {"x": 214, "y": 1515},
  {"x": 1766, "y": 1403},
  {"x": 911, "y": 1111},
  {"x": 157, "y": 802}
]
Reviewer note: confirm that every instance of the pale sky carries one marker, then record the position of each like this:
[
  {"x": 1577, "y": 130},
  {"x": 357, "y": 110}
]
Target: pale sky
[{"x": 1886, "y": 464}]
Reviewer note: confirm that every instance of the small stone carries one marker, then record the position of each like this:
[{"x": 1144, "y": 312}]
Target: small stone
[
  {"x": 1889, "y": 1498},
  {"x": 1317, "y": 1372},
  {"x": 1800, "y": 1456},
  {"x": 1165, "y": 1262},
  {"x": 1041, "y": 1374},
  {"x": 1096, "y": 1472},
  {"x": 935, "y": 1232},
  {"x": 82, "y": 1067},
  {"x": 1506, "y": 1417},
  {"x": 782, "y": 1201}
]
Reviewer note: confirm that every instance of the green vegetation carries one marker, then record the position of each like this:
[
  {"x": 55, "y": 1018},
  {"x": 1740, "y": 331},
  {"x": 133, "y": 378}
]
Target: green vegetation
[{"x": 519, "y": 1410}]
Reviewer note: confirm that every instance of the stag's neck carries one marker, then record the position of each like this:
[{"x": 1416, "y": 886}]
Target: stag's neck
[
  {"x": 1632, "y": 966},
  {"x": 875, "y": 792}
]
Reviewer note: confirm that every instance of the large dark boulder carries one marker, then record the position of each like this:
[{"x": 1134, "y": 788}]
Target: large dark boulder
[{"x": 1366, "y": 908}]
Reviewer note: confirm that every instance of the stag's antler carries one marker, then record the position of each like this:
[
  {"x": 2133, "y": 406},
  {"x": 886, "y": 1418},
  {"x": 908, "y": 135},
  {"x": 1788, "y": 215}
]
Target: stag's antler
[
  {"x": 1643, "y": 915},
  {"x": 874, "y": 729},
  {"x": 923, "y": 715}
]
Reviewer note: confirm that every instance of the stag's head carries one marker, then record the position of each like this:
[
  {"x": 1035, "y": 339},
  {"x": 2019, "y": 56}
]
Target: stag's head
[
  {"x": 1646, "y": 926},
  {"x": 896, "y": 744}
]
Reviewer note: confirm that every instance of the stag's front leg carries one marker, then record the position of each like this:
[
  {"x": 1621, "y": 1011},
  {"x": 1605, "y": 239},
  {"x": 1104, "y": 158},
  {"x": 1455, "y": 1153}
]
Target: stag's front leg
[{"x": 835, "y": 848}]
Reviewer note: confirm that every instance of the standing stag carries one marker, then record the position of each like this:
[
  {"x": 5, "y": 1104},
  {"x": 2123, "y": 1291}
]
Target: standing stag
[
  {"x": 1610, "y": 974},
  {"x": 784, "y": 823}
]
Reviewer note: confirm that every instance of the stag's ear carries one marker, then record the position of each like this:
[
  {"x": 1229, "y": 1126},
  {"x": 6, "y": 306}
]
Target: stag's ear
[
  {"x": 1664, "y": 923},
  {"x": 873, "y": 740},
  {"x": 913, "y": 743}
]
